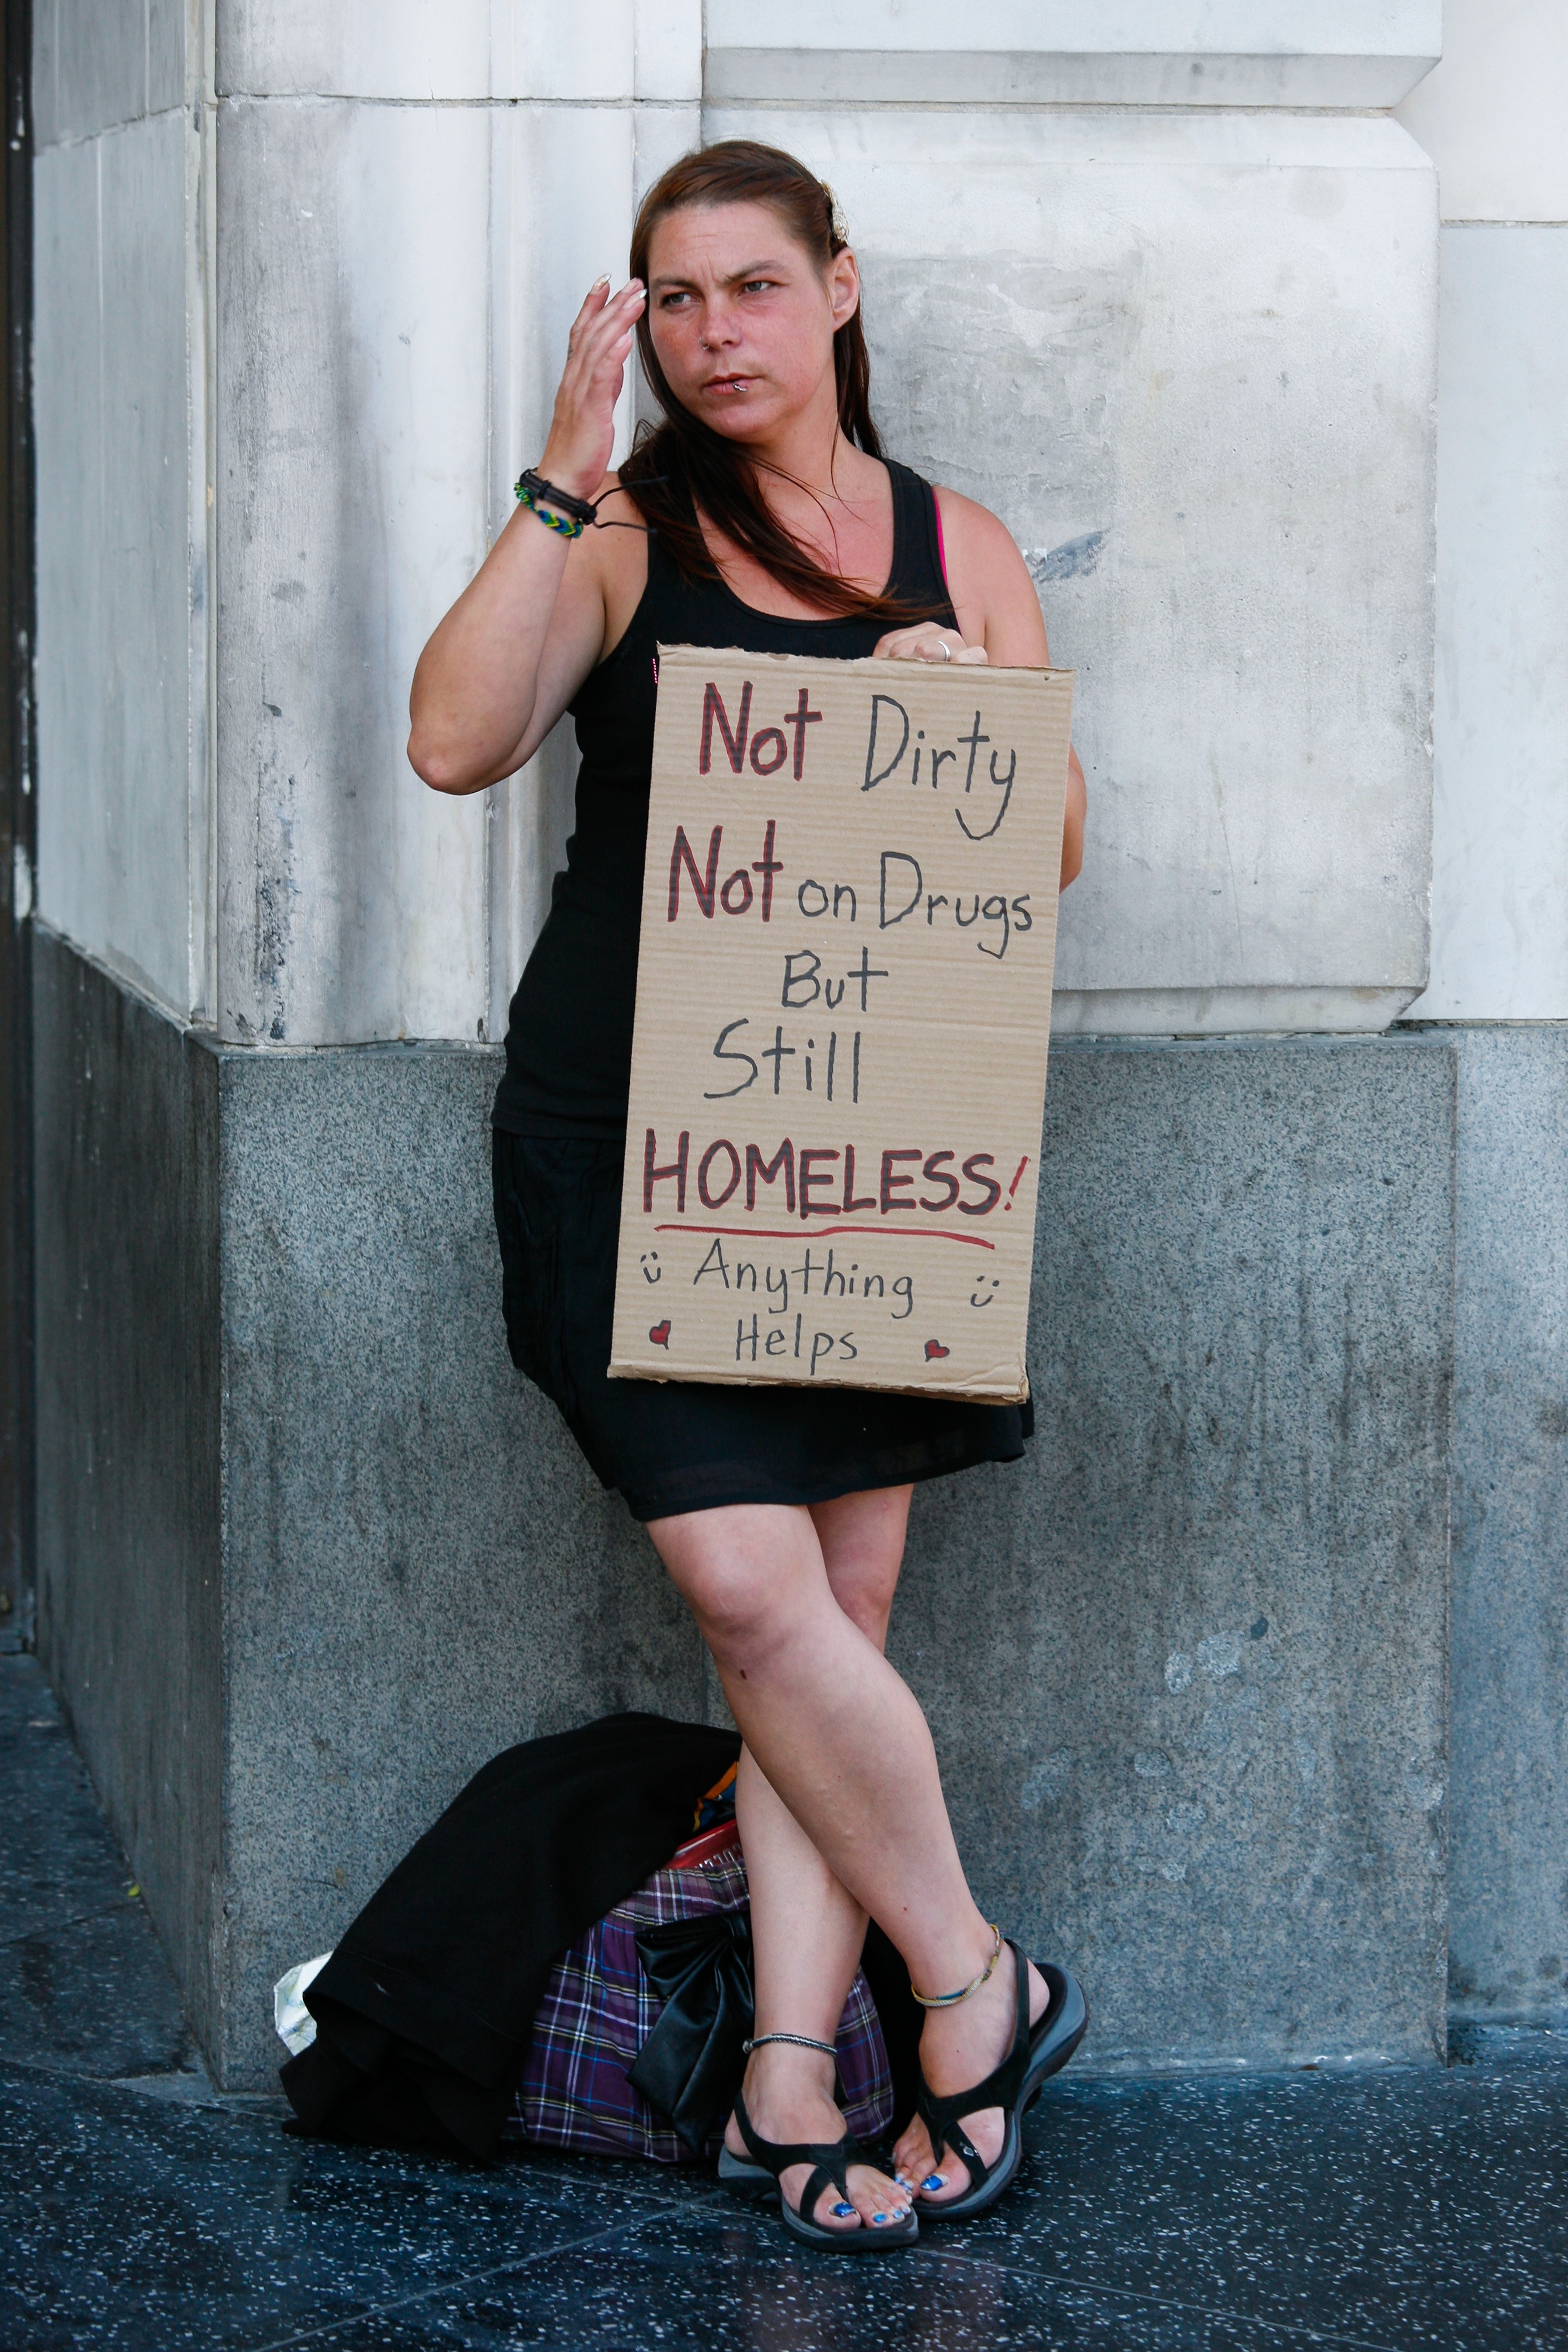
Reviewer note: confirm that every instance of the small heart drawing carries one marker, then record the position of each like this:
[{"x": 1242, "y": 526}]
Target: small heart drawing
[
  {"x": 659, "y": 1334},
  {"x": 934, "y": 1349}
]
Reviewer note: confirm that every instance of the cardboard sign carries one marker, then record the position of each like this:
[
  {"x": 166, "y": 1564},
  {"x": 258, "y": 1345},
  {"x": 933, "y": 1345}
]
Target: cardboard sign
[{"x": 844, "y": 1000}]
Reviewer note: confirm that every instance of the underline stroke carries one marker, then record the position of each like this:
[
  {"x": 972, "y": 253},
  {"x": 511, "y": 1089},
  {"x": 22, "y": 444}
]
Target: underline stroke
[{"x": 826, "y": 1233}]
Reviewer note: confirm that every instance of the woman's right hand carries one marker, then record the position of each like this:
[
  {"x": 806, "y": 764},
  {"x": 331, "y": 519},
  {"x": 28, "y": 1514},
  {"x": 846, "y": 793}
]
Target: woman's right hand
[
  {"x": 583, "y": 428},
  {"x": 928, "y": 643}
]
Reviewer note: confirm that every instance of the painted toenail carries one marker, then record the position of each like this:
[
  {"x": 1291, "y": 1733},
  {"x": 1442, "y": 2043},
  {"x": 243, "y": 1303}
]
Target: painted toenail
[
  {"x": 843, "y": 2211},
  {"x": 934, "y": 2181},
  {"x": 878, "y": 2219}
]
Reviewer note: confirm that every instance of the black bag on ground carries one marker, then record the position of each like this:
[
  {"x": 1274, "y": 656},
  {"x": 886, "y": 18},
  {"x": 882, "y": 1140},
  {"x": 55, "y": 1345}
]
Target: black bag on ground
[{"x": 424, "y": 2011}]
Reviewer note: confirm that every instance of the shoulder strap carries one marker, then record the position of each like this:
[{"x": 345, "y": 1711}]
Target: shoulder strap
[{"x": 918, "y": 574}]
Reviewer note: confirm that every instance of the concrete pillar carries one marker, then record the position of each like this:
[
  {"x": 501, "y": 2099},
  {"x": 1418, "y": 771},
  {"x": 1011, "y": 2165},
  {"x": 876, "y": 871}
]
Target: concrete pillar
[
  {"x": 1492, "y": 117},
  {"x": 399, "y": 262},
  {"x": 1159, "y": 283},
  {"x": 1181, "y": 352},
  {"x": 122, "y": 216}
]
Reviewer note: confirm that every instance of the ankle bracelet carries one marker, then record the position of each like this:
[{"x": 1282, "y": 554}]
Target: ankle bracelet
[
  {"x": 800, "y": 2040},
  {"x": 951, "y": 1999}
]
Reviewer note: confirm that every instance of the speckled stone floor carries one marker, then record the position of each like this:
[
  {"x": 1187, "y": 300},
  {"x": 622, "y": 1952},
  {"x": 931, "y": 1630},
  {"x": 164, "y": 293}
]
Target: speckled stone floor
[{"x": 1384, "y": 2210}]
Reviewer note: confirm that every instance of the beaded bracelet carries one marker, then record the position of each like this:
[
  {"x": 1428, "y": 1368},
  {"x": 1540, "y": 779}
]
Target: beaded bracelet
[{"x": 574, "y": 515}]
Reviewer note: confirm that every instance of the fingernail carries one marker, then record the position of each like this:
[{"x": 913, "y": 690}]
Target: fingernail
[
  {"x": 843, "y": 2211},
  {"x": 602, "y": 280},
  {"x": 934, "y": 2181}
]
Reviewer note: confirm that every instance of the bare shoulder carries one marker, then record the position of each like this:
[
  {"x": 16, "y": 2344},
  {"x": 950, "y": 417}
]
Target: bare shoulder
[
  {"x": 968, "y": 527},
  {"x": 993, "y": 593}
]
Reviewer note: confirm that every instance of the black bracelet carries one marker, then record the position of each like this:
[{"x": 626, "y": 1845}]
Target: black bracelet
[{"x": 533, "y": 490}]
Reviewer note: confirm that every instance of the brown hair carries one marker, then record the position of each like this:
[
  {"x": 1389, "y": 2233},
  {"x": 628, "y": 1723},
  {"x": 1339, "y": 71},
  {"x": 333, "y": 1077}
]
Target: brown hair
[{"x": 681, "y": 466}]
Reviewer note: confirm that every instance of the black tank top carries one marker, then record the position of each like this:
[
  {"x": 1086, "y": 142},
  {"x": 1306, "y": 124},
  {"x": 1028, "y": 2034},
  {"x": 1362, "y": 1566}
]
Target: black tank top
[{"x": 569, "y": 1038}]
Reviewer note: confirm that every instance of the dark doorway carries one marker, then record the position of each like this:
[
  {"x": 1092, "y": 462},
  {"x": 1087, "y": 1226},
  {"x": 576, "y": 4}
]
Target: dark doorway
[{"x": 18, "y": 840}]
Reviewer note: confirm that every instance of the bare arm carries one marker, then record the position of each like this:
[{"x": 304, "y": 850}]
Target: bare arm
[{"x": 506, "y": 661}]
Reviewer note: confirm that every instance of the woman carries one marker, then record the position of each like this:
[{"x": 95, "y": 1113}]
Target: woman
[{"x": 759, "y": 515}]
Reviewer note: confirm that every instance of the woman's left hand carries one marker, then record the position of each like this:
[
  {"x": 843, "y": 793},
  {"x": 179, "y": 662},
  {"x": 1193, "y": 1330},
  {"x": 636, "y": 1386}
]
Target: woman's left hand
[{"x": 925, "y": 642}]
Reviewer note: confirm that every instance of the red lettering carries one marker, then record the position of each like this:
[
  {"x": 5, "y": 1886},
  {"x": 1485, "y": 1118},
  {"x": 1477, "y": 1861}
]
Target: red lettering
[
  {"x": 677, "y": 1167},
  {"x": 866, "y": 1200},
  {"x": 704, "y": 886},
  {"x": 767, "y": 866},
  {"x": 935, "y": 1174},
  {"x": 784, "y": 1158},
  {"x": 734, "y": 744},
  {"x": 892, "y": 1183},
  {"x": 778, "y": 749},
  {"x": 703, "y": 1165},
  {"x": 972, "y": 1167},
  {"x": 800, "y": 719},
  {"x": 809, "y": 1177}
]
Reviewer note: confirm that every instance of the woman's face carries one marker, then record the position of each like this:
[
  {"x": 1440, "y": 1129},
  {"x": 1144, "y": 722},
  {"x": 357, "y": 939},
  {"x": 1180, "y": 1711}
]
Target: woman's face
[{"x": 741, "y": 317}]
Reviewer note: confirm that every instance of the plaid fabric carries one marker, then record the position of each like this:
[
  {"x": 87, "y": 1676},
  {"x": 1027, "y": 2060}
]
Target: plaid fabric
[{"x": 597, "y": 2011}]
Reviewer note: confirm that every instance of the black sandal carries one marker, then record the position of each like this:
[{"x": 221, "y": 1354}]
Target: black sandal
[
  {"x": 1015, "y": 2086},
  {"x": 771, "y": 2159}
]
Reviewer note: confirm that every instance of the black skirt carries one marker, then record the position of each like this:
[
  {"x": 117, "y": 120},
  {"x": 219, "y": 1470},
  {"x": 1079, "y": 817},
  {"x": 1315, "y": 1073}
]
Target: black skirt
[{"x": 684, "y": 1445}]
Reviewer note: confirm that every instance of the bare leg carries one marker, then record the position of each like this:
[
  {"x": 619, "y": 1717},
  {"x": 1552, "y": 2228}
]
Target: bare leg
[
  {"x": 836, "y": 1733},
  {"x": 843, "y": 1743},
  {"x": 806, "y": 1928}
]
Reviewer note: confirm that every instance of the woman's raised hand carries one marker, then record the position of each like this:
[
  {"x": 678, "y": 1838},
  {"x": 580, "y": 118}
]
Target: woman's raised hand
[
  {"x": 529, "y": 627},
  {"x": 583, "y": 429},
  {"x": 926, "y": 642}
]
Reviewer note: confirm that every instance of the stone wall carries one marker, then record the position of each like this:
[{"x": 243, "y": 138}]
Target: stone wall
[
  {"x": 131, "y": 1436},
  {"x": 1178, "y": 355},
  {"x": 121, "y": 212},
  {"x": 310, "y": 1550},
  {"x": 1186, "y": 1666},
  {"x": 1158, "y": 282},
  {"x": 1141, "y": 293},
  {"x": 1510, "y": 1733},
  {"x": 1491, "y": 118}
]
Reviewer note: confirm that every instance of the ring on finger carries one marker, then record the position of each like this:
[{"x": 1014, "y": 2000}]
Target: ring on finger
[{"x": 946, "y": 649}]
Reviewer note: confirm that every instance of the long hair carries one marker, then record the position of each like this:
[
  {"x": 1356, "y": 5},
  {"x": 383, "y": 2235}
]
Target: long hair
[{"x": 681, "y": 466}]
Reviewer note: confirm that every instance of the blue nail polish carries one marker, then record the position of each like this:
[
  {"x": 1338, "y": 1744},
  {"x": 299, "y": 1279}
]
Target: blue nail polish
[
  {"x": 934, "y": 2181},
  {"x": 843, "y": 2211},
  {"x": 878, "y": 2219}
]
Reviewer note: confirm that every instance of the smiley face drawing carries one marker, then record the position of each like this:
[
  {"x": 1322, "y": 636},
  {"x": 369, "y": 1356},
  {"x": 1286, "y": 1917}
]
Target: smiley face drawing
[
  {"x": 984, "y": 1292},
  {"x": 651, "y": 1269}
]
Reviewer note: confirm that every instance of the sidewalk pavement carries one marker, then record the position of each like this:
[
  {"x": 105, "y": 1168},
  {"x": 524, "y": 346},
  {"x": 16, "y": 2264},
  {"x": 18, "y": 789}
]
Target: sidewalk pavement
[{"x": 1384, "y": 2209}]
